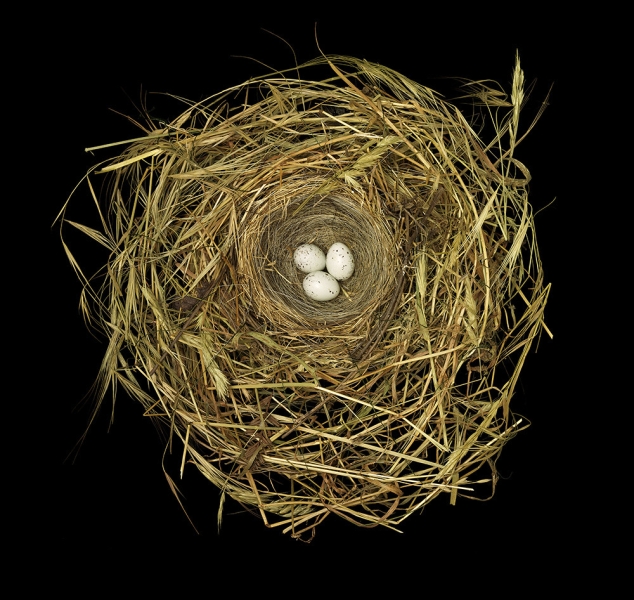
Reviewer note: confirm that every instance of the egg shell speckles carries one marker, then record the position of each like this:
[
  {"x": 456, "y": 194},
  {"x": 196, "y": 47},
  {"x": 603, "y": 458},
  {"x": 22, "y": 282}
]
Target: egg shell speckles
[
  {"x": 340, "y": 262},
  {"x": 321, "y": 286},
  {"x": 309, "y": 258}
]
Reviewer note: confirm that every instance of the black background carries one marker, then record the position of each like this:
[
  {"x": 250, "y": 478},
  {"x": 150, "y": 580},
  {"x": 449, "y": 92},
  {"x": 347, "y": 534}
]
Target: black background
[{"x": 107, "y": 503}]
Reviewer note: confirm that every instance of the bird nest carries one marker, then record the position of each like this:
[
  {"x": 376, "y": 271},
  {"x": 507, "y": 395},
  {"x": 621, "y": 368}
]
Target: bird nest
[{"x": 367, "y": 406}]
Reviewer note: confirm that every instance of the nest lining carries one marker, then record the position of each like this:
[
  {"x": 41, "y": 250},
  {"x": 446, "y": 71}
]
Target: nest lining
[
  {"x": 368, "y": 406},
  {"x": 265, "y": 259}
]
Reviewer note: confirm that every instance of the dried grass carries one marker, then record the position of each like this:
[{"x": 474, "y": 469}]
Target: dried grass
[{"x": 368, "y": 406}]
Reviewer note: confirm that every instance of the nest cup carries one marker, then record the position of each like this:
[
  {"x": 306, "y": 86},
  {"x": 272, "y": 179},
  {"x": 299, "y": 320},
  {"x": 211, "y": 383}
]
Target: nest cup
[
  {"x": 368, "y": 406},
  {"x": 266, "y": 259}
]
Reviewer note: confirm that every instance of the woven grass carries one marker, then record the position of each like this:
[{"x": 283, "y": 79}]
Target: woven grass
[{"x": 368, "y": 406}]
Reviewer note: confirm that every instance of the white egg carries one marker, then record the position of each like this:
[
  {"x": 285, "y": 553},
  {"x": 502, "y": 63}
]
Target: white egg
[
  {"x": 321, "y": 286},
  {"x": 340, "y": 262},
  {"x": 309, "y": 258}
]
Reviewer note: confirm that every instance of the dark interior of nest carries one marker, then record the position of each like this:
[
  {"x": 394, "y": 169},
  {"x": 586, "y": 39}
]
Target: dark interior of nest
[{"x": 267, "y": 261}]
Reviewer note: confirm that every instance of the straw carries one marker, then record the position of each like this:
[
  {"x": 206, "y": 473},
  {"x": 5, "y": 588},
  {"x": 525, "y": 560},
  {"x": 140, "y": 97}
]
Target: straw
[{"x": 368, "y": 406}]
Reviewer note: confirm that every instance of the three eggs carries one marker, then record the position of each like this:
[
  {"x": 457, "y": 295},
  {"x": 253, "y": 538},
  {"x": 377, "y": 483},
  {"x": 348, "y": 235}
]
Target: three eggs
[{"x": 323, "y": 285}]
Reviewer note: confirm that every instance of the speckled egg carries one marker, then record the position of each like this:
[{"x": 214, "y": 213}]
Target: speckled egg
[
  {"x": 321, "y": 286},
  {"x": 309, "y": 258},
  {"x": 340, "y": 262}
]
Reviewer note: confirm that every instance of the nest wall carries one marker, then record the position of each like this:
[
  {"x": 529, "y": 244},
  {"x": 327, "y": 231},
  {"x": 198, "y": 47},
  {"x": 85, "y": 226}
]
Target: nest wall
[{"x": 368, "y": 406}]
